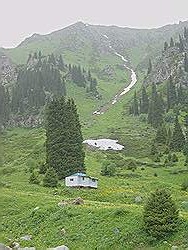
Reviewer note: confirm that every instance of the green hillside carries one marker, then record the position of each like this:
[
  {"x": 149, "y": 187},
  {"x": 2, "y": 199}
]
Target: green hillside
[{"x": 110, "y": 217}]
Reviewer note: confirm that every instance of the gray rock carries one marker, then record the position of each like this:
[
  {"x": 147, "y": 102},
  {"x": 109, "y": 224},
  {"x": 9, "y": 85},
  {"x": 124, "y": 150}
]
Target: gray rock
[
  {"x": 78, "y": 201},
  {"x": 15, "y": 245},
  {"x": 27, "y": 248},
  {"x": 26, "y": 237},
  {"x": 3, "y": 247},
  {"x": 63, "y": 247},
  {"x": 174, "y": 247},
  {"x": 138, "y": 199}
]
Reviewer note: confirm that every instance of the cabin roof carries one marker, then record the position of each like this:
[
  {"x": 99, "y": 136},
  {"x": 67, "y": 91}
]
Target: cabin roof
[
  {"x": 79, "y": 174},
  {"x": 83, "y": 175}
]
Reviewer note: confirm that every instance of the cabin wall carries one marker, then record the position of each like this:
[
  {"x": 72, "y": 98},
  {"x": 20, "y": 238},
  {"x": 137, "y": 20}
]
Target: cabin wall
[{"x": 79, "y": 181}]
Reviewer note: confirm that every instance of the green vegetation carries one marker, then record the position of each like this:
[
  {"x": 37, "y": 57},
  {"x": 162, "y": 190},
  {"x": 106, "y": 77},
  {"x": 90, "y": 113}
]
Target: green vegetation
[
  {"x": 50, "y": 178},
  {"x": 109, "y": 212}
]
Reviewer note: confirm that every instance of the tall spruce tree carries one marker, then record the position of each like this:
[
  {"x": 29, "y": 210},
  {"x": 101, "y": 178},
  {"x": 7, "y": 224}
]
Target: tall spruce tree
[
  {"x": 161, "y": 134},
  {"x": 64, "y": 148},
  {"x": 171, "y": 42},
  {"x": 135, "y": 105},
  {"x": 181, "y": 44},
  {"x": 144, "y": 105},
  {"x": 149, "y": 67},
  {"x": 4, "y": 105},
  {"x": 156, "y": 109},
  {"x": 165, "y": 46},
  {"x": 178, "y": 140},
  {"x": 186, "y": 33},
  {"x": 180, "y": 95}
]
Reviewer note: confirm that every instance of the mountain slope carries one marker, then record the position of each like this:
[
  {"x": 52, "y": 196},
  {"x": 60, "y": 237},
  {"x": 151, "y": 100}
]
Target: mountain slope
[{"x": 86, "y": 43}]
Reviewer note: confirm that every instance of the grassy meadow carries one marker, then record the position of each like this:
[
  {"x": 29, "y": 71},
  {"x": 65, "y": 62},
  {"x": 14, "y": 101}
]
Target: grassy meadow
[{"x": 110, "y": 217}]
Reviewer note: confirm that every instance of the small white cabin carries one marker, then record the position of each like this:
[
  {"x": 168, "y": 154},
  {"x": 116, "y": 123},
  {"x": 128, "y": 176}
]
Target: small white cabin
[{"x": 81, "y": 180}]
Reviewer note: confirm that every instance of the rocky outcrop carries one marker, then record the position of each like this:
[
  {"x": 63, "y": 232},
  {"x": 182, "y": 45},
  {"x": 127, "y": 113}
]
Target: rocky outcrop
[
  {"x": 171, "y": 63},
  {"x": 7, "y": 70}
]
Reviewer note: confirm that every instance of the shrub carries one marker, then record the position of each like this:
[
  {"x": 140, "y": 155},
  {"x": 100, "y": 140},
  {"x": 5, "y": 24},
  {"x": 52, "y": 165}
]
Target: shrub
[
  {"x": 131, "y": 165},
  {"x": 184, "y": 186},
  {"x": 108, "y": 169},
  {"x": 154, "y": 150},
  {"x": 174, "y": 158},
  {"x": 43, "y": 168},
  {"x": 33, "y": 179},
  {"x": 50, "y": 179},
  {"x": 160, "y": 214}
]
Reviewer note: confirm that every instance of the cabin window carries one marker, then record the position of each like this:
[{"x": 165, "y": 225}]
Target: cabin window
[
  {"x": 93, "y": 180},
  {"x": 71, "y": 179},
  {"x": 83, "y": 178}
]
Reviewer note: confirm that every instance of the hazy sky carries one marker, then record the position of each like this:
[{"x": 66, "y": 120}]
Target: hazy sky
[{"x": 21, "y": 18}]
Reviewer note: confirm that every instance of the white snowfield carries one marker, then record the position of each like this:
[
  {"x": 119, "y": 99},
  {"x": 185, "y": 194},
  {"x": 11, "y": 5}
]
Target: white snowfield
[{"x": 104, "y": 144}]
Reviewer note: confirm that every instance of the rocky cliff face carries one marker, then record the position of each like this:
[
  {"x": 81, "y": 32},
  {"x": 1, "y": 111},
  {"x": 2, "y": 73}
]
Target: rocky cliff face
[
  {"x": 7, "y": 70},
  {"x": 170, "y": 63}
]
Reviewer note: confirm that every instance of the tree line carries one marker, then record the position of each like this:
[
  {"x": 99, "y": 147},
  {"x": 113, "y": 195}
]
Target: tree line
[{"x": 40, "y": 80}]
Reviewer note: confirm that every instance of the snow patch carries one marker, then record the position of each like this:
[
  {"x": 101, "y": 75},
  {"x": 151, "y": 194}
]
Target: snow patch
[{"x": 105, "y": 144}]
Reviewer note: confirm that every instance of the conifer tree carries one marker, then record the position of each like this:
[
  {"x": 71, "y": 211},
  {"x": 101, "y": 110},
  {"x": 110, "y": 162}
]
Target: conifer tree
[
  {"x": 186, "y": 33},
  {"x": 144, "y": 101},
  {"x": 171, "y": 42},
  {"x": 165, "y": 46},
  {"x": 64, "y": 148},
  {"x": 135, "y": 105},
  {"x": 156, "y": 109},
  {"x": 149, "y": 67},
  {"x": 60, "y": 63},
  {"x": 181, "y": 45},
  {"x": 161, "y": 135},
  {"x": 180, "y": 95},
  {"x": 4, "y": 105},
  {"x": 169, "y": 136},
  {"x": 178, "y": 140},
  {"x": 161, "y": 215},
  {"x": 50, "y": 178}
]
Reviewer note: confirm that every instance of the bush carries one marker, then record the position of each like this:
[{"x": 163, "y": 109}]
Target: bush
[
  {"x": 160, "y": 215},
  {"x": 43, "y": 168},
  {"x": 174, "y": 158},
  {"x": 131, "y": 165},
  {"x": 33, "y": 179},
  {"x": 108, "y": 169},
  {"x": 153, "y": 150},
  {"x": 50, "y": 179},
  {"x": 156, "y": 158},
  {"x": 184, "y": 186}
]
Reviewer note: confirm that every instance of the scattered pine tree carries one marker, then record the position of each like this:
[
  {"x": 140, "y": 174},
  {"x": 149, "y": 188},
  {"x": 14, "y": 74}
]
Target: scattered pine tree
[
  {"x": 160, "y": 215},
  {"x": 177, "y": 142}
]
